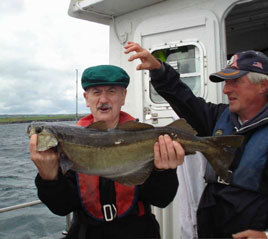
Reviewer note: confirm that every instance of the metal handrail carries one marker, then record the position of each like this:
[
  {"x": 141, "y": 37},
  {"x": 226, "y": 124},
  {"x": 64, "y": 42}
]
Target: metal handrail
[
  {"x": 33, "y": 203},
  {"x": 18, "y": 206}
]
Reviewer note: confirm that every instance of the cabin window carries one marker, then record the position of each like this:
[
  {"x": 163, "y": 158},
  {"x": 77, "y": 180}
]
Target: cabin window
[{"x": 185, "y": 60}]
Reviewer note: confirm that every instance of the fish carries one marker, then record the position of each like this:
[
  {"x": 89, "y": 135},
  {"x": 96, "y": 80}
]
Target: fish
[{"x": 125, "y": 154}]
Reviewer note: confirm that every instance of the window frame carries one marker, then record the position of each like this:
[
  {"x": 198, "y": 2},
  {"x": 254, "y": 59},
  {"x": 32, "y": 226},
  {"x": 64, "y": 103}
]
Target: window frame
[{"x": 201, "y": 73}]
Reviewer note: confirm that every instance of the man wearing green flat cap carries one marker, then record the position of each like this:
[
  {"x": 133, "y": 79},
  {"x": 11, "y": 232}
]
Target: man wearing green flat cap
[
  {"x": 103, "y": 208},
  {"x": 105, "y": 93}
]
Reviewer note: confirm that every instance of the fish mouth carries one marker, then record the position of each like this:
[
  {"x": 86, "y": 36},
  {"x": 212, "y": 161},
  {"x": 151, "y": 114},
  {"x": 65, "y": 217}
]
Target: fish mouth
[
  {"x": 32, "y": 129},
  {"x": 29, "y": 129}
]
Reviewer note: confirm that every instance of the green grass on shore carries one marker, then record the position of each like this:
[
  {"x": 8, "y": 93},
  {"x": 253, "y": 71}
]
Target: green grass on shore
[{"x": 29, "y": 118}]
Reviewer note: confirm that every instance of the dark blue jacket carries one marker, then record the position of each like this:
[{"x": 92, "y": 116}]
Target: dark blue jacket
[
  {"x": 248, "y": 168},
  {"x": 223, "y": 209}
]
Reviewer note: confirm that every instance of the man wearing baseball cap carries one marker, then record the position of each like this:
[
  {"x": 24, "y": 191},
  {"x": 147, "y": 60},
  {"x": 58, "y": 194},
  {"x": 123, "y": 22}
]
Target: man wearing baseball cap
[
  {"x": 237, "y": 207},
  {"x": 104, "y": 209}
]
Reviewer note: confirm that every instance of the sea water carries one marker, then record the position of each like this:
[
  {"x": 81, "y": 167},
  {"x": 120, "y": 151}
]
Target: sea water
[{"x": 17, "y": 174}]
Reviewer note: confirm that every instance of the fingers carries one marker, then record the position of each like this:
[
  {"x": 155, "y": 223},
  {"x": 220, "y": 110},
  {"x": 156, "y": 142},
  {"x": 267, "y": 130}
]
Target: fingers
[
  {"x": 33, "y": 143},
  {"x": 47, "y": 162},
  {"x": 149, "y": 62},
  {"x": 179, "y": 152},
  {"x": 167, "y": 153},
  {"x": 142, "y": 56},
  {"x": 132, "y": 46},
  {"x": 140, "y": 52},
  {"x": 160, "y": 154},
  {"x": 139, "y": 55},
  {"x": 250, "y": 234}
]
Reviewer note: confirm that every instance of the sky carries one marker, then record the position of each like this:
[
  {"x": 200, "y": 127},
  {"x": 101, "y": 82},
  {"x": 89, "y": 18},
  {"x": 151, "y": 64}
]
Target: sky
[{"x": 41, "y": 47}]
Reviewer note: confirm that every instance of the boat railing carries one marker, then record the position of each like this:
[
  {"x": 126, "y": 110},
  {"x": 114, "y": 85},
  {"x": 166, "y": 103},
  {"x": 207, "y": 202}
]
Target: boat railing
[{"x": 33, "y": 203}]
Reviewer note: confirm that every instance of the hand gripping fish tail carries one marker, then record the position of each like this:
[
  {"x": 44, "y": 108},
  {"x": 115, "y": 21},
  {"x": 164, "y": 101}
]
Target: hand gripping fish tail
[{"x": 218, "y": 150}]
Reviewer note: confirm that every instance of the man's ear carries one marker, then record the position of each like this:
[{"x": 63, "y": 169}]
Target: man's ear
[
  {"x": 264, "y": 86},
  {"x": 86, "y": 98},
  {"x": 124, "y": 95}
]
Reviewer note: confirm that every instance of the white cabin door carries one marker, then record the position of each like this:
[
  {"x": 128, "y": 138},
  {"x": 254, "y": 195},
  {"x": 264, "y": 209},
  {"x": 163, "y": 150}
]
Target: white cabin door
[{"x": 185, "y": 44}]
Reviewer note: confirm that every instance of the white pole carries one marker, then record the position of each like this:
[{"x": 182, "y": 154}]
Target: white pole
[
  {"x": 28, "y": 204},
  {"x": 76, "y": 111}
]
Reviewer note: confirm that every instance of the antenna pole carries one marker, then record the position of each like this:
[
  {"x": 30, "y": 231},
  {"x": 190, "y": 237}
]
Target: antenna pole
[{"x": 76, "y": 108}]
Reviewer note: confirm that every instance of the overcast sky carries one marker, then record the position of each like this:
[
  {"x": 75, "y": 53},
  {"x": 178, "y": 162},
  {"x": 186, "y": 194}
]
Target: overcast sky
[{"x": 41, "y": 48}]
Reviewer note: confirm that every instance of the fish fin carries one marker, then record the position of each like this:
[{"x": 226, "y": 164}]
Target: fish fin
[
  {"x": 220, "y": 162},
  {"x": 232, "y": 141},
  {"x": 222, "y": 156},
  {"x": 46, "y": 141},
  {"x": 182, "y": 124},
  {"x": 134, "y": 126},
  {"x": 137, "y": 177},
  {"x": 65, "y": 163},
  {"x": 100, "y": 125}
]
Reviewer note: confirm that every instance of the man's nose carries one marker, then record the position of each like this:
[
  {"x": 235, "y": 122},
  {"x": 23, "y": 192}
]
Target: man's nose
[
  {"x": 226, "y": 88},
  {"x": 103, "y": 98}
]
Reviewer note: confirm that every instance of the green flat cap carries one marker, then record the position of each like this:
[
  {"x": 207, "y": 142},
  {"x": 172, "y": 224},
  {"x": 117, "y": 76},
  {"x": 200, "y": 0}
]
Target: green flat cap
[{"x": 104, "y": 75}]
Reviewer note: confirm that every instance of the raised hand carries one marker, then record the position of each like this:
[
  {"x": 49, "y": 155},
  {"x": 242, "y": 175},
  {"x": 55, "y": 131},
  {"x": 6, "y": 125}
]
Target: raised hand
[{"x": 149, "y": 62}]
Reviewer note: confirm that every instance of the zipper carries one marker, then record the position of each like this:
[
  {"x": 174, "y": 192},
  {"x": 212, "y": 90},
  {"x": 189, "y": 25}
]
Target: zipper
[{"x": 249, "y": 126}]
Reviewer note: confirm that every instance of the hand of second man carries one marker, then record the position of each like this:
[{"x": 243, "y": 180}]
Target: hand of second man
[{"x": 168, "y": 154}]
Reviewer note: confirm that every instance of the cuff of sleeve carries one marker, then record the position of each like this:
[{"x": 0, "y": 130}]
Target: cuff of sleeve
[
  {"x": 41, "y": 182},
  {"x": 163, "y": 171},
  {"x": 158, "y": 72},
  {"x": 266, "y": 233}
]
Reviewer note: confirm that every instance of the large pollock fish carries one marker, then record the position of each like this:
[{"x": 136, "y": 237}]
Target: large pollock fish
[{"x": 125, "y": 154}]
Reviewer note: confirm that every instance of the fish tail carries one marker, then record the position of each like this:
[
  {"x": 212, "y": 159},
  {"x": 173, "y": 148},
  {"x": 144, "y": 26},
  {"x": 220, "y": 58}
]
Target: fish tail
[{"x": 221, "y": 154}]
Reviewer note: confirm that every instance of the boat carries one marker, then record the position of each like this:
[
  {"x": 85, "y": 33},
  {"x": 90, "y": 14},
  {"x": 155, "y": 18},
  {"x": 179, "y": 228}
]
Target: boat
[{"x": 196, "y": 37}]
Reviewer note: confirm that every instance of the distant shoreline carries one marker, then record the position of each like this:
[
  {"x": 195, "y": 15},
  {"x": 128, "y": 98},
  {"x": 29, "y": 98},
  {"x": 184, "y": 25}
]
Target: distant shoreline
[{"x": 30, "y": 118}]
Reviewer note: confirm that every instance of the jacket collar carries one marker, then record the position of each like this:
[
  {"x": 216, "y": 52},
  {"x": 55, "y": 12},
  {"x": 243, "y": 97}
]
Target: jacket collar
[
  {"x": 89, "y": 119},
  {"x": 258, "y": 120}
]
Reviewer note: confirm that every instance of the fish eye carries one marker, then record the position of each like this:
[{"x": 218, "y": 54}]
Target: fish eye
[{"x": 38, "y": 129}]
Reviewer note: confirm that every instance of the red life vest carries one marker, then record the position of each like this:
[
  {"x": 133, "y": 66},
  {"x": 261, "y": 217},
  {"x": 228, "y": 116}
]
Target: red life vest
[{"x": 89, "y": 190}]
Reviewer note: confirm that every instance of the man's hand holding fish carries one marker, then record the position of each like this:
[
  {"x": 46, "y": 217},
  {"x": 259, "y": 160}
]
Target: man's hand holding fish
[
  {"x": 47, "y": 161},
  {"x": 167, "y": 153}
]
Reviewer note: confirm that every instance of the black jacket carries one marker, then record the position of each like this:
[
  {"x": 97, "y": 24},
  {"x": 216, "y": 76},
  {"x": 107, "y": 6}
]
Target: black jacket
[
  {"x": 61, "y": 197},
  {"x": 223, "y": 210}
]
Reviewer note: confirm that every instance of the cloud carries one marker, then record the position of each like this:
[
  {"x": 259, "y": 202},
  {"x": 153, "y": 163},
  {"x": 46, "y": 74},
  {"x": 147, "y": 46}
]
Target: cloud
[
  {"x": 41, "y": 48},
  {"x": 11, "y": 7}
]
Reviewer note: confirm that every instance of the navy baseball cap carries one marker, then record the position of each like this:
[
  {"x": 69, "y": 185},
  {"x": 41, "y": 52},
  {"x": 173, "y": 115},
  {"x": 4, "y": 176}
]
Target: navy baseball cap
[
  {"x": 241, "y": 64},
  {"x": 104, "y": 75}
]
